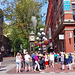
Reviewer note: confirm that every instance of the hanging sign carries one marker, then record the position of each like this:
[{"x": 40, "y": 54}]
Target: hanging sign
[
  {"x": 61, "y": 37},
  {"x": 67, "y": 5}
]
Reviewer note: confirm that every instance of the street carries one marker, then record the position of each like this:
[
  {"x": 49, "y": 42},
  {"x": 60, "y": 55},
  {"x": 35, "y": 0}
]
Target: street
[{"x": 9, "y": 68}]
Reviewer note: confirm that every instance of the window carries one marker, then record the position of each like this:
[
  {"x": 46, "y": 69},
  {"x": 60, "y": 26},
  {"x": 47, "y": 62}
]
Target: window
[
  {"x": 73, "y": 6},
  {"x": 74, "y": 15}
]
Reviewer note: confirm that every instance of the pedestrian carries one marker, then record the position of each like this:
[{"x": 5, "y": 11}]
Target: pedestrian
[
  {"x": 49, "y": 63},
  {"x": 52, "y": 59},
  {"x": 36, "y": 62},
  {"x": 27, "y": 62},
  {"x": 59, "y": 59},
  {"x": 70, "y": 61},
  {"x": 55, "y": 58},
  {"x": 46, "y": 60},
  {"x": 66, "y": 56},
  {"x": 62, "y": 60},
  {"x": 0, "y": 59},
  {"x": 22, "y": 61},
  {"x": 33, "y": 60},
  {"x": 18, "y": 62},
  {"x": 41, "y": 63}
]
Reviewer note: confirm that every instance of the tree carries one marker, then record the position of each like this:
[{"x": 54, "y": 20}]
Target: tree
[{"x": 19, "y": 12}]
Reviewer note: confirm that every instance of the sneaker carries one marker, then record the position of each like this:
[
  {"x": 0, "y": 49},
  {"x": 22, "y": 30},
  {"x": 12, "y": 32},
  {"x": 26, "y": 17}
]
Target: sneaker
[
  {"x": 63, "y": 69},
  {"x": 34, "y": 70},
  {"x": 66, "y": 65},
  {"x": 40, "y": 70}
]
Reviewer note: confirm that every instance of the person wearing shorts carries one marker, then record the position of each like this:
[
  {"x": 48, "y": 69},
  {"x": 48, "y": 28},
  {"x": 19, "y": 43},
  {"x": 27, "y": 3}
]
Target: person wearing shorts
[
  {"x": 52, "y": 59},
  {"x": 18, "y": 63},
  {"x": 27, "y": 62},
  {"x": 62, "y": 60},
  {"x": 46, "y": 61}
]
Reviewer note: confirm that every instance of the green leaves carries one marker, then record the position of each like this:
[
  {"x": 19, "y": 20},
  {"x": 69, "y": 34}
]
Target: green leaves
[{"x": 19, "y": 12}]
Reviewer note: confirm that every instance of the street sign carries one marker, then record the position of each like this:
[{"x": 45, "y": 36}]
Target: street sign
[
  {"x": 61, "y": 37},
  {"x": 70, "y": 35}
]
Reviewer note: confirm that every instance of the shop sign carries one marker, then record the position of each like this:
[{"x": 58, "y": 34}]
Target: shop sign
[
  {"x": 61, "y": 37},
  {"x": 67, "y": 5},
  {"x": 70, "y": 35}
]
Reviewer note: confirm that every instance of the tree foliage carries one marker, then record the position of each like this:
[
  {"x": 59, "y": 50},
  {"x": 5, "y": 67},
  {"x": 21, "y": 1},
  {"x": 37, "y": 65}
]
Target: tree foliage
[{"x": 19, "y": 12}]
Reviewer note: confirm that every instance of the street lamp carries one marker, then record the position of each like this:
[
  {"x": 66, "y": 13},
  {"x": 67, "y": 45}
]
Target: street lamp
[{"x": 41, "y": 37}]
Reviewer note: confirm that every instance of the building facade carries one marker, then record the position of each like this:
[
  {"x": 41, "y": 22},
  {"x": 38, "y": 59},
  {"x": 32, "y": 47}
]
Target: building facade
[{"x": 61, "y": 20}]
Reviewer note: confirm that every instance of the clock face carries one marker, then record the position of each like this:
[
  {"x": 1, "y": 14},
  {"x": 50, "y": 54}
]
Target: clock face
[{"x": 32, "y": 38}]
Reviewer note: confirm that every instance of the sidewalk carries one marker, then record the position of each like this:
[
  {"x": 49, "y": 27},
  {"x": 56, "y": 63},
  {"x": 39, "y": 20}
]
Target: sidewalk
[
  {"x": 7, "y": 57},
  {"x": 9, "y": 68},
  {"x": 57, "y": 69}
]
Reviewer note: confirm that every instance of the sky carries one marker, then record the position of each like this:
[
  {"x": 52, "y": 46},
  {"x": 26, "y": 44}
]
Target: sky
[{"x": 43, "y": 11}]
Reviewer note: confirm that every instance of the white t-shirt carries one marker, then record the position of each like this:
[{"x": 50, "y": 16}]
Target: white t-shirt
[
  {"x": 51, "y": 56},
  {"x": 18, "y": 58},
  {"x": 46, "y": 58},
  {"x": 27, "y": 57}
]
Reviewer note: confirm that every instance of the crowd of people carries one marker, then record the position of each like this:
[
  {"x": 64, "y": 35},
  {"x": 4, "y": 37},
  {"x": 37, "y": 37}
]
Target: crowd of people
[{"x": 43, "y": 61}]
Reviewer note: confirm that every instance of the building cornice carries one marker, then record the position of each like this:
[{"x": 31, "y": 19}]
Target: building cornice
[
  {"x": 69, "y": 23},
  {"x": 68, "y": 20},
  {"x": 68, "y": 12},
  {"x": 61, "y": 27},
  {"x": 68, "y": 29}
]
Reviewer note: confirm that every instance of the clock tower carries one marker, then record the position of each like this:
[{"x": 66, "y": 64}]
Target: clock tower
[{"x": 32, "y": 40}]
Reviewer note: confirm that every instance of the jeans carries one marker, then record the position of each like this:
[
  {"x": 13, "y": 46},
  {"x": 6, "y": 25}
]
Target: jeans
[
  {"x": 33, "y": 65},
  {"x": 66, "y": 61},
  {"x": 18, "y": 64}
]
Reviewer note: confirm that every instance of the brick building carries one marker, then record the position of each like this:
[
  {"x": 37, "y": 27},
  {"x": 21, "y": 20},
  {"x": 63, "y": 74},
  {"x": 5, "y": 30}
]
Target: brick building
[{"x": 61, "y": 20}]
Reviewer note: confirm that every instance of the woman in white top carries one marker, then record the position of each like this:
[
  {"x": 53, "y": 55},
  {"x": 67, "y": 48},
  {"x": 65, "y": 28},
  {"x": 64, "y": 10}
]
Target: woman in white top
[
  {"x": 18, "y": 62},
  {"x": 52, "y": 59}
]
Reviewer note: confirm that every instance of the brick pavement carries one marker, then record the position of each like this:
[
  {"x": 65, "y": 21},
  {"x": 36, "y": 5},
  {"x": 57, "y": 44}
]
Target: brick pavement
[{"x": 57, "y": 69}]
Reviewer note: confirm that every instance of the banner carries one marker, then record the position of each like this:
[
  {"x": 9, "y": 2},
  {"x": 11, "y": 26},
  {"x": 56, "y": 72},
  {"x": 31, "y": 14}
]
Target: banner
[{"x": 67, "y": 5}]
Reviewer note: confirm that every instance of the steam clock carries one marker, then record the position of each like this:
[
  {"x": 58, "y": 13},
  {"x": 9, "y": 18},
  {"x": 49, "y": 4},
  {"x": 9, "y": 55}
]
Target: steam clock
[{"x": 32, "y": 40}]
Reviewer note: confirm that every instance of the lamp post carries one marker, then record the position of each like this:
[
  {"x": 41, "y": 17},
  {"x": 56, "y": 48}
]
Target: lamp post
[{"x": 41, "y": 37}]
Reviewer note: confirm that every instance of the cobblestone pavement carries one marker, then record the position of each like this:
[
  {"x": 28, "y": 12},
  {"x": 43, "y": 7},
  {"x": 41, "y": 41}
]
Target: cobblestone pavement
[{"x": 9, "y": 68}]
